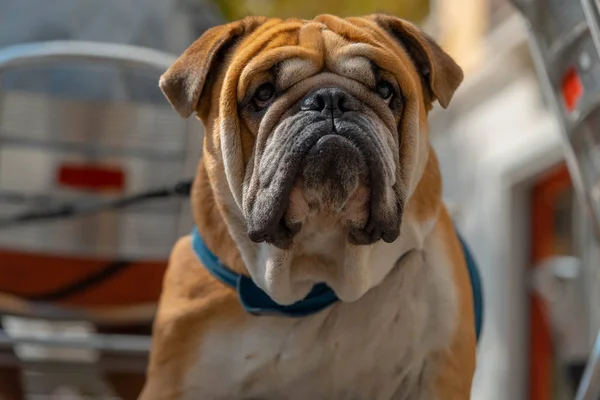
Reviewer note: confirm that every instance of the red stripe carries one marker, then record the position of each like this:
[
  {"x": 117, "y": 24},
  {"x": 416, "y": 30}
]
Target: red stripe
[
  {"x": 572, "y": 89},
  {"x": 91, "y": 177}
]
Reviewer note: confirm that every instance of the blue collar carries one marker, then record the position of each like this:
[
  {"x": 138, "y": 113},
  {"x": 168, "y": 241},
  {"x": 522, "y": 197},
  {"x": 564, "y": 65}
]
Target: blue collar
[
  {"x": 254, "y": 299},
  {"x": 476, "y": 285},
  {"x": 257, "y": 302}
]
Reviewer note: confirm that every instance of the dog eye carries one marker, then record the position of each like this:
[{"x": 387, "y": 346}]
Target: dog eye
[
  {"x": 385, "y": 90},
  {"x": 264, "y": 93}
]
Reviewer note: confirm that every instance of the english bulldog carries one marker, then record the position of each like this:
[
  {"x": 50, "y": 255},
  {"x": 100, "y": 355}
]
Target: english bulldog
[{"x": 324, "y": 264}]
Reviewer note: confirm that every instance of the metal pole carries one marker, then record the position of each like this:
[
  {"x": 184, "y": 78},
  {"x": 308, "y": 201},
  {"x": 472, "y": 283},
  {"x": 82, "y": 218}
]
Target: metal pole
[
  {"x": 589, "y": 388},
  {"x": 39, "y": 52}
]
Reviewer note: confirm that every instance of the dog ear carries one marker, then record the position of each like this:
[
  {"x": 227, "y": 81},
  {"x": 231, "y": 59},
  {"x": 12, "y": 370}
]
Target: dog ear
[
  {"x": 438, "y": 69},
  {"x": 184, "y": 82}
]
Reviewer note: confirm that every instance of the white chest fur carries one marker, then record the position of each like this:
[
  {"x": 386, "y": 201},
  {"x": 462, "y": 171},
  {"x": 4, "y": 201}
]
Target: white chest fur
[{"x": 376, "y": 348}]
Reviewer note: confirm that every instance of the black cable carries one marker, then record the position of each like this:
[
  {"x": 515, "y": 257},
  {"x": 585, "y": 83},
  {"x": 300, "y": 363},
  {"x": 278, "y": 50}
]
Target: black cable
[
  {"x": 79, "y": 286},
  {"x": 181, "y": 189}
]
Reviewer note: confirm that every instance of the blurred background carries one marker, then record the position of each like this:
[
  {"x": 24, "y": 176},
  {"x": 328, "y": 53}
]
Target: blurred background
[{"x": 82, "y": 120}]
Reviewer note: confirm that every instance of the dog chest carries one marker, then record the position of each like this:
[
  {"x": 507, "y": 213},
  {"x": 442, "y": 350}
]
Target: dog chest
[{"x": 374, "y": 348}]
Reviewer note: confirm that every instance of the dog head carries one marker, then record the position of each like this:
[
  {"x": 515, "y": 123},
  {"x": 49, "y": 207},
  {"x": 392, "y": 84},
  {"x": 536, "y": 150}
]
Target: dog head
[{"x": 316, "y": 138}]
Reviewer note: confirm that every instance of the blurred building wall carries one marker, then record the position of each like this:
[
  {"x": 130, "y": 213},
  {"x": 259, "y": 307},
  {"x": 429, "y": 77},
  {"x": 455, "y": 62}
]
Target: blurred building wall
[{"x": 496, "y": 135}]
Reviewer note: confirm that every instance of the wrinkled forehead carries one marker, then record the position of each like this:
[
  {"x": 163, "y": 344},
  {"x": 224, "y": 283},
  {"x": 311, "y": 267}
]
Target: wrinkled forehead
[{"x": 295, "y": 50}]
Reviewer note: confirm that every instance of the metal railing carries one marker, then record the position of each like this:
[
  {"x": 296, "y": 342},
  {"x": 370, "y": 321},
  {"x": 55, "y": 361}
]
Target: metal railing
[
  {"x": 564, "y": 38},
  {"x": 71, "y": 50},
  {"x": 136, "y": 347}
]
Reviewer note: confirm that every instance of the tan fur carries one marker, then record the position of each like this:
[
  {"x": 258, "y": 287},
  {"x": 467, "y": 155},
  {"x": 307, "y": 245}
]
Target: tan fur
[
  {"x": 192, "y": 303},
  {"x": 457, "y": 364},
  {"x": 428, "y": 194},
  {"x": 194, "y": 307}
]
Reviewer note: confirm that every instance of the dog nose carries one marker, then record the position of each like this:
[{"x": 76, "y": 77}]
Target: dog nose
[{"x": 327, "y": 101}]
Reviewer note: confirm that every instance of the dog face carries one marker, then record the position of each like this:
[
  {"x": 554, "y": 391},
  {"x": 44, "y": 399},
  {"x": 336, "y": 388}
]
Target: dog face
[{"x": 316, "y": 138}]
